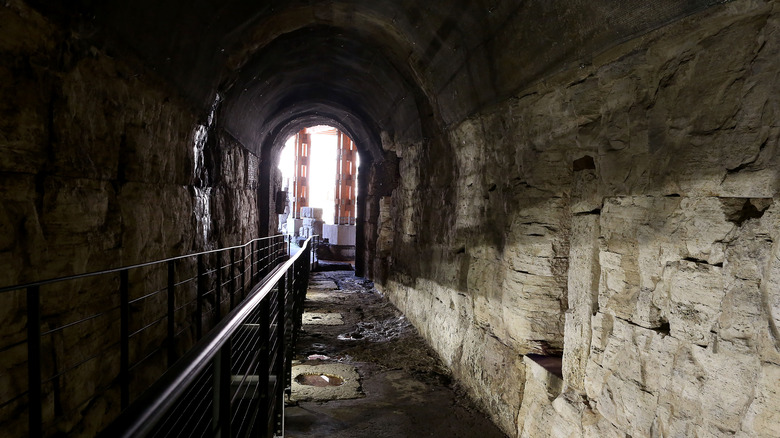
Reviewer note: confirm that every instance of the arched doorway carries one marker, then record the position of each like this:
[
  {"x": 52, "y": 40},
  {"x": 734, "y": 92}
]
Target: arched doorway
[{"x": 319, "y": 172}]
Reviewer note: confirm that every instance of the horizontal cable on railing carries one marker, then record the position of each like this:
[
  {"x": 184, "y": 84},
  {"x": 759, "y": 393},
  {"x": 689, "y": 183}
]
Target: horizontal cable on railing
[
  {"x": 243, "y": 344},
  {"x": 246, "y": 413},
  {"x": 12, "y": 346},
  {"x": 244, "y": 362},
  {"x": 189, "y": 326},
  {"x": 148, "y": 325},
  {"x": 197, "y": 386},
  {"x": 135, "y": 300},
  {"x": 145, "y": 358},
  {"x": 78, "y": 364},
  {"x": 185, "y": 304},
  {"x": 203, "y": 398},
  {"x": 125, "y": 268},
  {"x": 15, "y": 398},
  {"x": 185, "y": 281},
  {"x": 70, "y": 324}
]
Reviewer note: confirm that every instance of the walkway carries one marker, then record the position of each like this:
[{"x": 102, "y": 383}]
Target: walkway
[{"x": 400, "y": 388}]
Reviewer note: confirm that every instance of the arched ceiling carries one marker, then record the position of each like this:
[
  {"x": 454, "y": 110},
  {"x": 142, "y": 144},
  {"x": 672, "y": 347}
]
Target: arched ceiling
[
  {"x": 390, "y": 66},
  {"x": 322, "y": 71}
]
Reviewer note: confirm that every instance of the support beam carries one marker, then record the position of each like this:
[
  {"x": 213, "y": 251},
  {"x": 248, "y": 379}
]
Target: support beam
[{"x": 301, "y": 184}]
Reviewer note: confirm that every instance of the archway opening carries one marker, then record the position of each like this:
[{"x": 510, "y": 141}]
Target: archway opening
[{"x": 319, "y": 170}]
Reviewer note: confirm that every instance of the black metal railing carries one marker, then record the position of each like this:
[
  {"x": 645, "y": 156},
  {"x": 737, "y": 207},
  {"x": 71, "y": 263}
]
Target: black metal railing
[
  {"x": 84, "y": 347},
  {"x": 232, "y": 383}
]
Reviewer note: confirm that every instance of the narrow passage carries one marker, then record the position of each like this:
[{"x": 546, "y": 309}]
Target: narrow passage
[{"x": 361, "y": 370}]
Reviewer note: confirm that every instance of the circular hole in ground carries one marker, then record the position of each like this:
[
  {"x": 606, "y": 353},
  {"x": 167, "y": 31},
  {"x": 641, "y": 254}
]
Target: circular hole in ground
[{"x": 319, "y": 380}]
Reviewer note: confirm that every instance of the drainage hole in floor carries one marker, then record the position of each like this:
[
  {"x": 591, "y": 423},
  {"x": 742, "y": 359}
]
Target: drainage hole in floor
[{"x": 319, "y": 380}]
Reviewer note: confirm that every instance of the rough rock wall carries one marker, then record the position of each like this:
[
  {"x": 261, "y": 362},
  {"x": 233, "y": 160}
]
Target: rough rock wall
[
  {"x": 99, "y": 168},
  {"x": 624, "y": 214}
]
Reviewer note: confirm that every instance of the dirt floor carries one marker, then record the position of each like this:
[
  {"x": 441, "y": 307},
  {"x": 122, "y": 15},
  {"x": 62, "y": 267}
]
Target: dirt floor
[{"x": 404, "y": 391}]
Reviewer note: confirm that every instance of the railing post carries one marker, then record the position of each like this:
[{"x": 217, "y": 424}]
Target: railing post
[
  {"x": 316, "y": 248},
  {"x": 277, "y": 248},
  {"x": 171, "y": 313},
  {"x": 243, "y": 272},
  {"x": 281, "y": 380},
  {"x": 268, "y": 259},
  {"x": 35, "y": 411},
  {"x": 260, "y": 260},
  {"x": 265, "y": 251},
  {"x": 199, "y": 299},
  {"x": 251, "y": 264},
  {"x": 218, "y": 290},
  {"x": 289, "y": 318},
  {"x": 264, "y": 408},
  {"x": 296, "y": 292},
  {"x": 124, "y": 338},
  {"x": 221, "y": 393},
  {"x": 305, "y": 271},
  {"x": 232, "y": 289}
]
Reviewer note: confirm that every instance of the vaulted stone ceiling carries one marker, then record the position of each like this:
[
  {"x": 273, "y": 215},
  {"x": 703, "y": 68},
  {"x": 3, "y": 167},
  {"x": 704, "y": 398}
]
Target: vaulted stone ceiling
[{"x": 369, "y": 67}]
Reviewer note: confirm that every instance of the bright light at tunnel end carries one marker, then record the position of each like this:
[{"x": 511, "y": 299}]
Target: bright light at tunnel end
[{"x": 323, "y": 161}]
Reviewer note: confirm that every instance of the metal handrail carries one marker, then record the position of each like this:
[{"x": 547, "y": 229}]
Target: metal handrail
[
  {"x": 232, "y": 280},
  {"x": 127, "y": 268},
  {"x": 144, "y": 415}
]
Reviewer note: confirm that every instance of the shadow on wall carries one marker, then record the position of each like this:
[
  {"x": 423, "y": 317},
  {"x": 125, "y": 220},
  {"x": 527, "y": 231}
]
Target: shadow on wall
[{"x": 623, "y": 213}]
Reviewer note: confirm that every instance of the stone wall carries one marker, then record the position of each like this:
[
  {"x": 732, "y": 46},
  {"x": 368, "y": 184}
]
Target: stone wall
[
  {"x": 100, "y": 167},
  {"x": 624, "y": 215}
]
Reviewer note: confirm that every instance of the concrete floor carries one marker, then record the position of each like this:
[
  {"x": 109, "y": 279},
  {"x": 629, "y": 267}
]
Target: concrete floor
[{"x": 404, "y": 390}]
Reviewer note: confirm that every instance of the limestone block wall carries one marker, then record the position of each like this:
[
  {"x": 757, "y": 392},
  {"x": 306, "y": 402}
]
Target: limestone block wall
[
  {"x": 100, "y": 167},
  {"x": 623, "y": 214}
]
